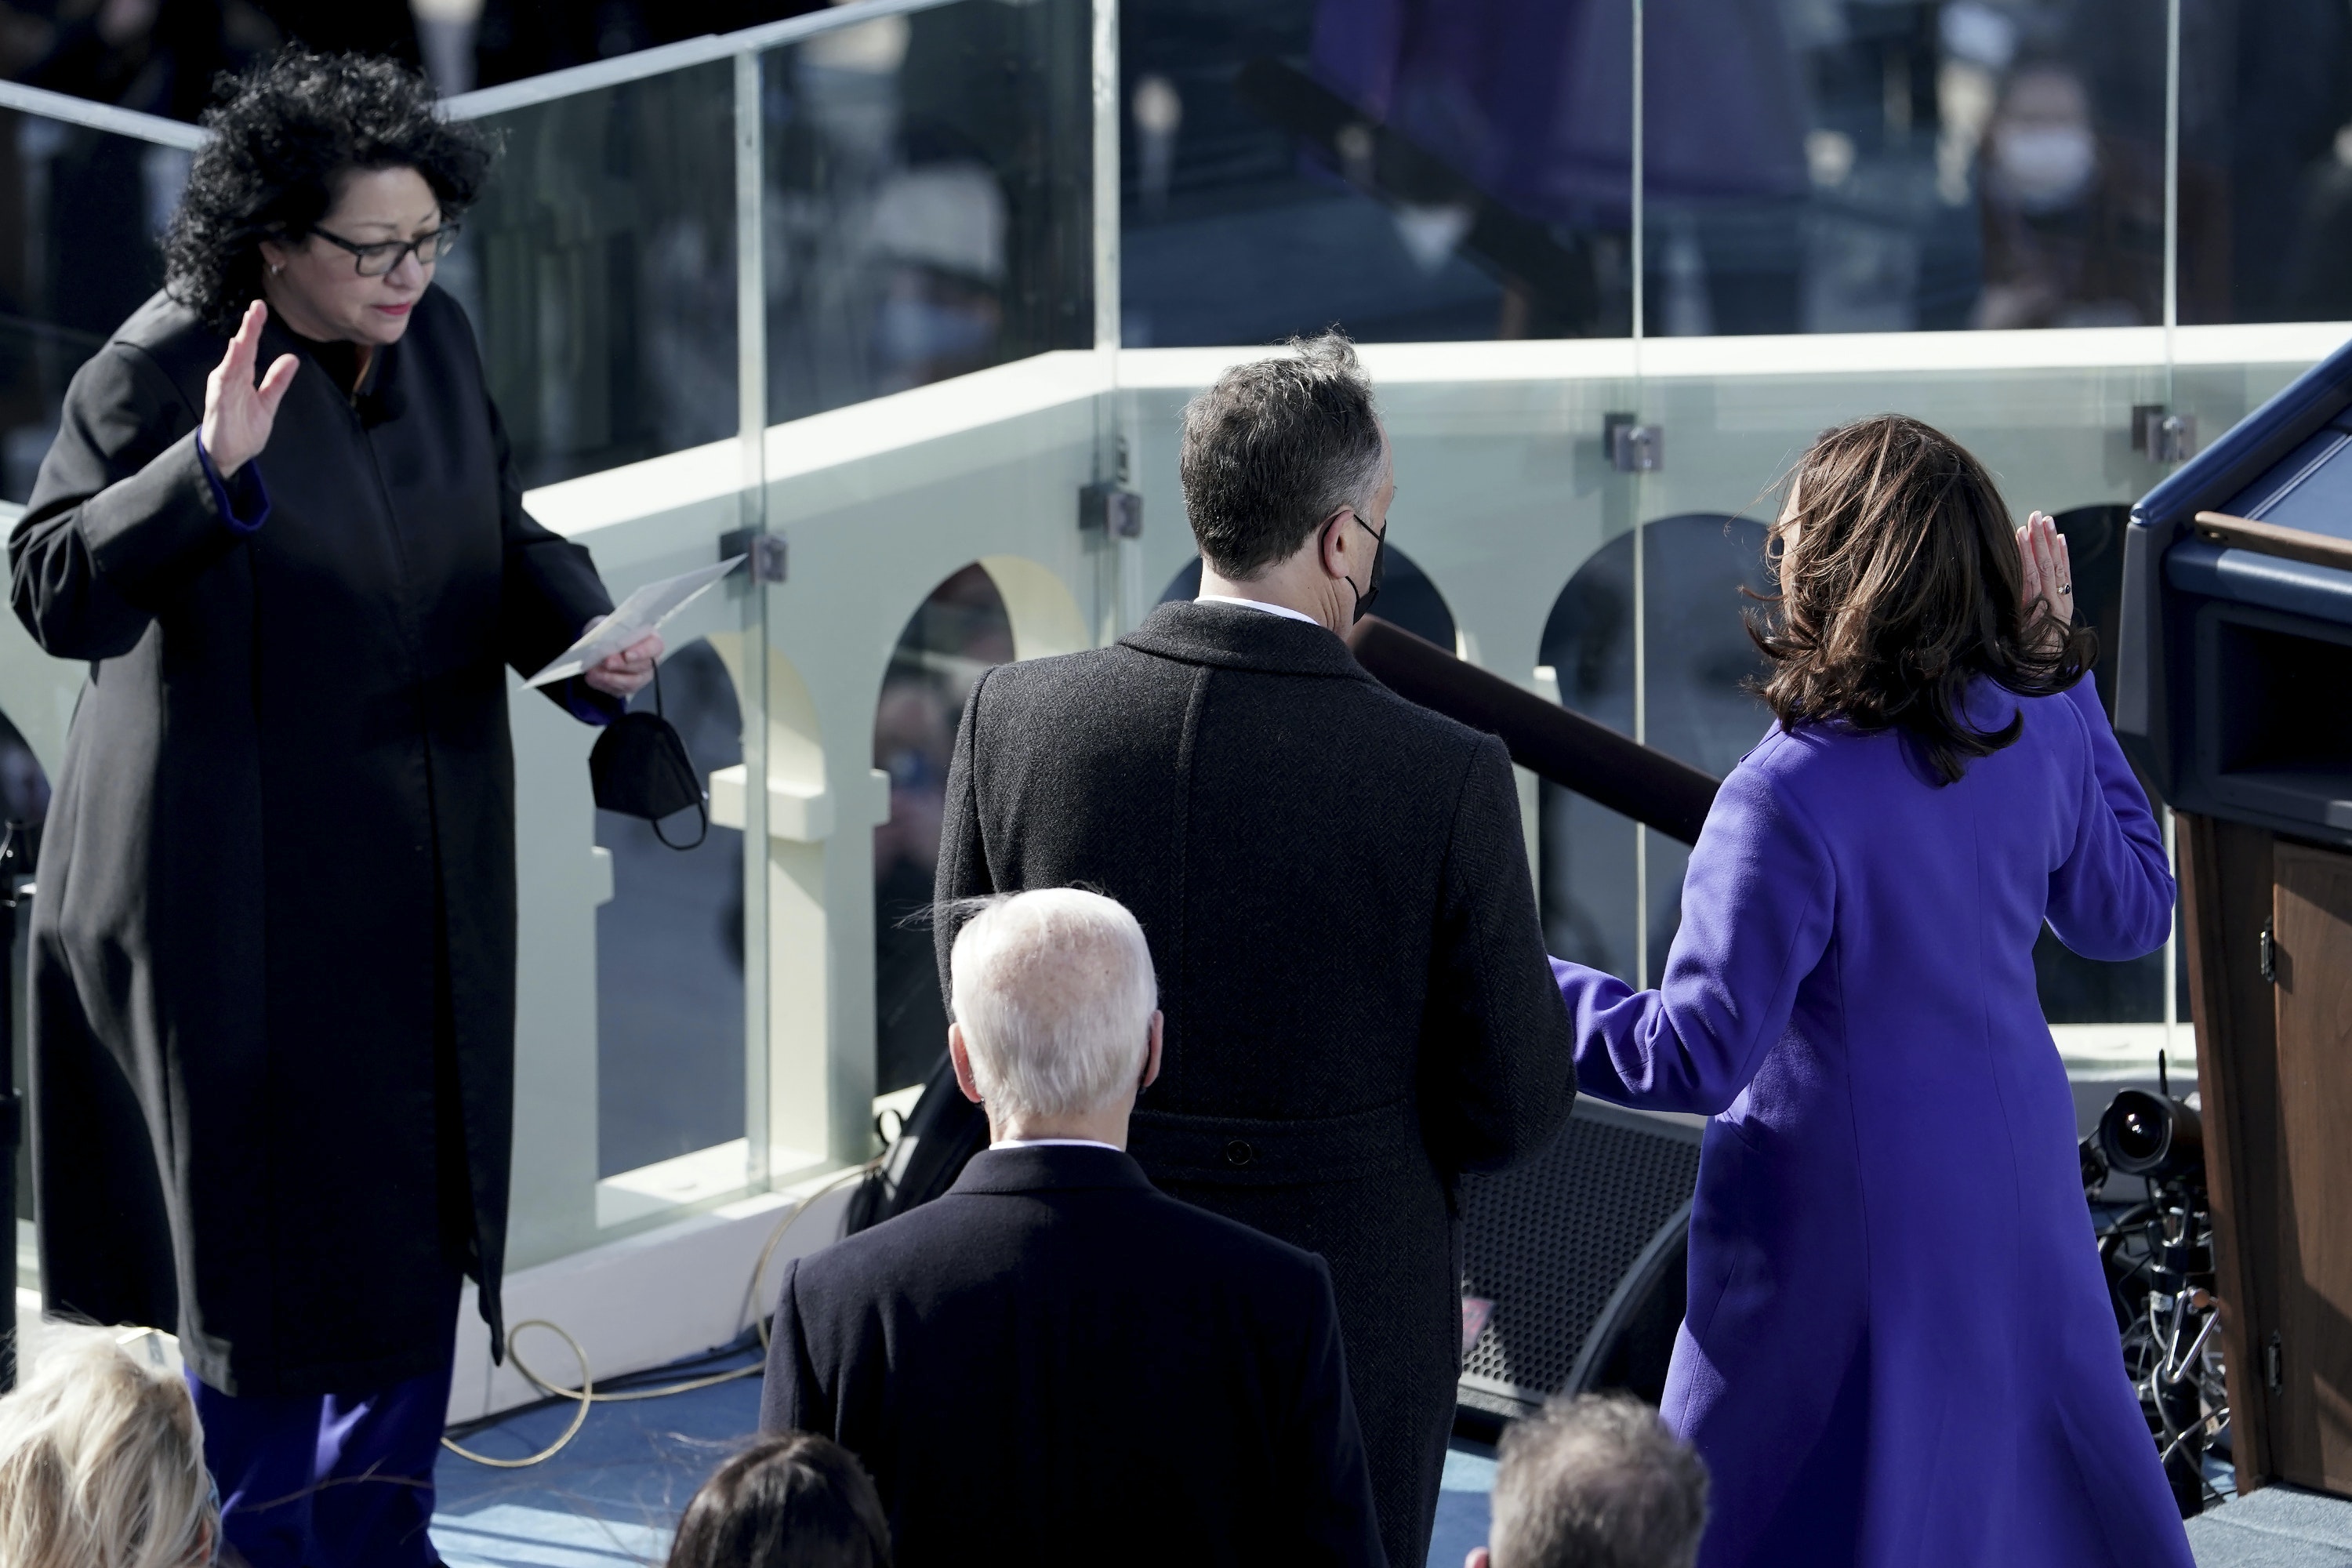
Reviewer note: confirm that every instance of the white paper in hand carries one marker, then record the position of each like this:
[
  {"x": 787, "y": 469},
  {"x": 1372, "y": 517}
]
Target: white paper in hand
[{"x": 649, "y": 609}]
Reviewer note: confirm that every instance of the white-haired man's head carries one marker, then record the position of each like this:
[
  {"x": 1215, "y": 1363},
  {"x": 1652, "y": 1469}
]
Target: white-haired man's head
[{"x": 1056, "y": 1014}]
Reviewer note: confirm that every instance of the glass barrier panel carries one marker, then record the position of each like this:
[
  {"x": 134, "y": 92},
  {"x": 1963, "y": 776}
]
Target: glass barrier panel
[
  {"x": 81, "y": 212},
  {"x": 669, "y": 961},
  {"x": 927, "y": 204},
  {"x": 599, "y": 268},
  {"x": 1898, "y": 165},
  {"x": 2266, "y": 162},
  {"x": 1415, "y": 173}
]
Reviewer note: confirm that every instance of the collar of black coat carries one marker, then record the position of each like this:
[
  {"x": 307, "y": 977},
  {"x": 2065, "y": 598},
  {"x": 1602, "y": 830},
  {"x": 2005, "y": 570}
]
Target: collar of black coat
[
  {"x": 1053, "y": 1167},
  {"x": 374, "y": 392},
  {"x": 1237, "y": 638}
]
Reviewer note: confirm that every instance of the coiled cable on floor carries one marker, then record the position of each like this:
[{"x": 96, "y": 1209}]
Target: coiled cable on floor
[{"x": 586, "y": 1395}]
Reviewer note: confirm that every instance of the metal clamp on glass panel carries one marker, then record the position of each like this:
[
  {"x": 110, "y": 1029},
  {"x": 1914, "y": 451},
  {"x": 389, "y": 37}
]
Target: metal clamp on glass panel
[
  {"x": 2161, "y": 435},
  {"x": 1116, "y": 512},
  {"x": 767, "y": 552},
  {"x": 1633, "y": 447}
]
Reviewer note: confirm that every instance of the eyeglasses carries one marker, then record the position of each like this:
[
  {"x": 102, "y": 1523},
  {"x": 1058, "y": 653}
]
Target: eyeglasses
[{"x": 375, "y": 260}]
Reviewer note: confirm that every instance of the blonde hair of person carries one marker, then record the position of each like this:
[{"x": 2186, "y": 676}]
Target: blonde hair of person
[
  {"x": 103, "y": 1463},
  {"x": 1055, "y": 990}
]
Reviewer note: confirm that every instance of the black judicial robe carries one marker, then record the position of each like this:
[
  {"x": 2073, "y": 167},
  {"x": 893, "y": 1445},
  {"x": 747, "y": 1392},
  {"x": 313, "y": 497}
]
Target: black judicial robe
[{"x": 273, "y": 950}]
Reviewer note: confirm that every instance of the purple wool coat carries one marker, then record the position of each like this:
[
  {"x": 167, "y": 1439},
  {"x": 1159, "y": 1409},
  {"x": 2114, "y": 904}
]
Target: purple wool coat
[{"x": 1899, "y": 1349}]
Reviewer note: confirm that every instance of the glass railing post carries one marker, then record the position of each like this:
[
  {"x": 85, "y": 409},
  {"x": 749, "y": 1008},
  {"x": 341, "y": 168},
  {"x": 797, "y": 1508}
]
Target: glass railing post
[{"x": 751, "y": 427}]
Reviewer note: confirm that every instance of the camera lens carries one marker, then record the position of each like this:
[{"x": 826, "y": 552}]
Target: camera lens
[
  {"x": 2139, "y": 1136},
  {"x": 2143, "y": 1134}
]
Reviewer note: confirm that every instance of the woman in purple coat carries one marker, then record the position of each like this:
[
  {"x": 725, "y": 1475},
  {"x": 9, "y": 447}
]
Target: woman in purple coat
[{"x": 1899, "y": 1349}]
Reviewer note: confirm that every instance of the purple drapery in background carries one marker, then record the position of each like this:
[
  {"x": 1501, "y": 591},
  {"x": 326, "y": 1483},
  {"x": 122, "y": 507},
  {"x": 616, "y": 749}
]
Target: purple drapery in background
[{"x": 1532, "y": 99}]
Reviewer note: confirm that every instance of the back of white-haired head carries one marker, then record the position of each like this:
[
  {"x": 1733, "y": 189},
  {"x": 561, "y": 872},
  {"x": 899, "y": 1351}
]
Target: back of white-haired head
[
  {"x": 1054, "y": 991},
  {"x": 102, "y": 1464},
  {"x": 1596, "y": 1481}
]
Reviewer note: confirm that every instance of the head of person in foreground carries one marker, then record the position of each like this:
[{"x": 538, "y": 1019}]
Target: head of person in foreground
[
  {"x": 1596, "y": 1481},
  {"x": 1902, "y": 584},
  {"x": 1287, "y": 480},
  {"x": 1056, "y": 1014},
  {"x": 103, "y": 1463},
  {"x": 793, "y": 1500}
]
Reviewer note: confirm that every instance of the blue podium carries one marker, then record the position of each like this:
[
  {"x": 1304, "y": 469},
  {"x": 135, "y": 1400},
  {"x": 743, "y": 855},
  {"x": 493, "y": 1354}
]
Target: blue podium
[{"x": 2233, "y": 695}]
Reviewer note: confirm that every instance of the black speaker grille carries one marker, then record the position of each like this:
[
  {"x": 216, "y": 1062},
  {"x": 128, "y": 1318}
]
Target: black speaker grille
[{"x": 1548, "y": 1241}]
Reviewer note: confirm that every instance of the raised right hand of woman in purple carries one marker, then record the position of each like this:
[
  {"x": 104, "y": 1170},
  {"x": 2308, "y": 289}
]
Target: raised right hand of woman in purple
[
  {"x": 2049, "y": 570},
  {"x": 239, "y": 413}
]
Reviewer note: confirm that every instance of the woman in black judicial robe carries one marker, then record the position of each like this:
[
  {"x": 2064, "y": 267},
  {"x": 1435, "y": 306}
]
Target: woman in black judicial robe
[{"x": 274, "y": 942}]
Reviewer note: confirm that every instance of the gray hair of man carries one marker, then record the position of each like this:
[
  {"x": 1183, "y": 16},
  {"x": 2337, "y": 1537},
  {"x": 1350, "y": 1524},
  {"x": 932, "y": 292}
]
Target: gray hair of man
[
  {"x": 1055, "y": 997},
  {"x": 1276, "y": 447},
  {"x": 1595, "y": 1482},
  {"x": 103, "y": 1463}
]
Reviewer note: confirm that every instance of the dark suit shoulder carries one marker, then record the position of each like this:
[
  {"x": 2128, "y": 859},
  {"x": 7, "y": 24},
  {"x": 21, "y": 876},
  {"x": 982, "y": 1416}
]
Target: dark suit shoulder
[
  {"x": 930, "y": 1243},
  {"x": 1429, "y": 726},
  {"x": 1088, "y": 668},
  {"x": 1248, "y": 1247},
  {"x": 1064, "y": 678}
]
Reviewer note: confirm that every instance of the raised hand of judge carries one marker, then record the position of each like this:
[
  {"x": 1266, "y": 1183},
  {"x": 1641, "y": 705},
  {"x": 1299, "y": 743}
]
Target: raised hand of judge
[
  {"x": 2049, "y": 570},
  {"x": 239, "y": 413}
]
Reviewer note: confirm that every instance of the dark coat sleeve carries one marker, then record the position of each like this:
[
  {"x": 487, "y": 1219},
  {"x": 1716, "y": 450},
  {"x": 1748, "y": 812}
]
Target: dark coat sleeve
[
  {"x": 551, "y": 591},
  {"x": 962, "y": 870},
  {"x": 1330, "y": 1477},
  {"x": 792, "y": 1399},
  {"x": 122, "y": 516},
  {"x": 1498, "y": 1074}
]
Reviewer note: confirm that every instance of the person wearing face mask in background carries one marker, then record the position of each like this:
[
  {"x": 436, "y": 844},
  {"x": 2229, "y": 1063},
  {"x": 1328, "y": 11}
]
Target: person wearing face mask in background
[
  {"x": 273, "y": 954},
  {"x": 1332, "y": 881},
  {"x": 2073, "y": 221}
]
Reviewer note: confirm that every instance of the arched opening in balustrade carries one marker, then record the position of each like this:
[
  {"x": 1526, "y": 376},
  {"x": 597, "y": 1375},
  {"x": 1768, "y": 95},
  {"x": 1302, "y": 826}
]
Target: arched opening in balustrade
[
  {"x": 1408, "y": 598},
  {"x": 961, "y": 628},
  {"x": 2074, "y": 989},
  {"x": 1697, "y": 656}
]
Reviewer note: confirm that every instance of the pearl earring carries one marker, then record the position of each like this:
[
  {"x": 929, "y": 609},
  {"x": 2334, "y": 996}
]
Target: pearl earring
[{"x": 276, "y": 267}]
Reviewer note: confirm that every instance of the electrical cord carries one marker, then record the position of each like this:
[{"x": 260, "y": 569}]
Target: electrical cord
[{"x": 585, "y": 1395}]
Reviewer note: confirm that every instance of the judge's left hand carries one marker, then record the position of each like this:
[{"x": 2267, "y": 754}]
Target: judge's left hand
[{"x": 624, "y": 674}]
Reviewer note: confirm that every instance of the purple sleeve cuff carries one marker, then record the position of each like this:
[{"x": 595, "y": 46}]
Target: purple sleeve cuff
[
  {"x": 248, "y": 508},
  {"x": 590, "y": 706}
]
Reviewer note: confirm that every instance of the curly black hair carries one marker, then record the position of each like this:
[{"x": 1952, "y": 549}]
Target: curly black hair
[{"x": 281, "y": 135}]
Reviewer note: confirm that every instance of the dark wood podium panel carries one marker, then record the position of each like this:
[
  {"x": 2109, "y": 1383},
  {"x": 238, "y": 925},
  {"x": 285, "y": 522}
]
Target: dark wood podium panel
[
  {"x": 2275, "y": 1074},
  {"x": 2312, "y": 920}
]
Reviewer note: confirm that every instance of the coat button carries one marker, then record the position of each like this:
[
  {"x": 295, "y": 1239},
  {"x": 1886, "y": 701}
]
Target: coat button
[{"x": 1238, "y": 1152}]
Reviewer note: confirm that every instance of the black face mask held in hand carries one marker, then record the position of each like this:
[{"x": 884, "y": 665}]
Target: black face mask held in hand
[{"x": 640, "y": 768}]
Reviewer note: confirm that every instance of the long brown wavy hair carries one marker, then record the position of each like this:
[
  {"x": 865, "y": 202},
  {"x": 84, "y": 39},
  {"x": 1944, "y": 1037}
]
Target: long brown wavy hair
[{"x": 1905, "y": 585}]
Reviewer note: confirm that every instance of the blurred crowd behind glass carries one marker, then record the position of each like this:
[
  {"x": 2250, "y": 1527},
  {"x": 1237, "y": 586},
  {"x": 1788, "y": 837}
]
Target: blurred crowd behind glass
[
  {"x": 1461, "y": 169},
  {"x": 1413, "y": 170}
]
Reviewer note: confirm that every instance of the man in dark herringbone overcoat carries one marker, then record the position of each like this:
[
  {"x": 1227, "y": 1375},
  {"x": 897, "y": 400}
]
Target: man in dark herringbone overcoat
[{"x": 1332, "y": 880}]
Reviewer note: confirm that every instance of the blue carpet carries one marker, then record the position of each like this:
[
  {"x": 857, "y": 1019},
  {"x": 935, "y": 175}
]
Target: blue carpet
[
  {"x": 1461, "y": 1505},
  {"x": 612, "y": 1497},
  {"x": 609, "y": 1499}
]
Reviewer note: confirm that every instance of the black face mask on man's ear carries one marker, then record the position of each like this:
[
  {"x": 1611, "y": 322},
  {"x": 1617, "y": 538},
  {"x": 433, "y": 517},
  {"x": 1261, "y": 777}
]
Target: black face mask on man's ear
[{"x": 1372, "y": 588}]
